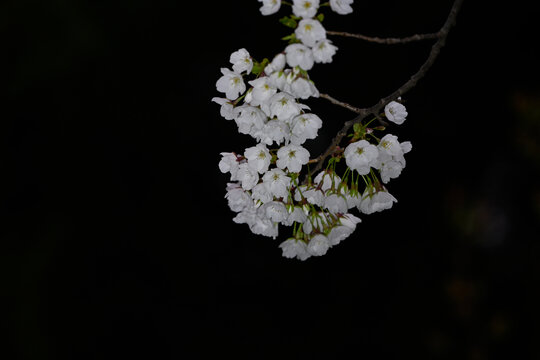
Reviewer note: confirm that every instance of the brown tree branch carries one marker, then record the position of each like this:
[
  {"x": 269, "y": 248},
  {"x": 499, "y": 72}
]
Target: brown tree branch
[
  {"x": 386, "y": 41},
  {"x": 408, "y": 85},
  {"x": 349, "y": 107},
  {"x": 340, "y": 103}
]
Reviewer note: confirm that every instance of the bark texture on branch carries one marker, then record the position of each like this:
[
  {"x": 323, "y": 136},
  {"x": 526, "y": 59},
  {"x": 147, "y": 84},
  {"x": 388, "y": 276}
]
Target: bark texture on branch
[
  {"x": 341, "y": 103},
  {"x": 386, "y": 41}
]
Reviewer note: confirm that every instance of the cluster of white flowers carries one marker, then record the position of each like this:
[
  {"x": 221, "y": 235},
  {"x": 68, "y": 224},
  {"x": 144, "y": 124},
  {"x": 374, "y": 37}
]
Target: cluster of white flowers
[
  {"x": 265, "y": 189},
  {"x": 306, "y": 8}
]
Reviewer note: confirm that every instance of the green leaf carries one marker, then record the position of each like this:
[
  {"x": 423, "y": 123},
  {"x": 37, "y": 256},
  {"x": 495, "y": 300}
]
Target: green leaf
[
  {"x": 320, "y": 17},
  {"x": 291, "y": 38},
  {"x": 258, "y": 67},
  {"x": 357, "y": 127},
  {"x": 289, "y": 22},
  {"x": 288, "y": 37}
]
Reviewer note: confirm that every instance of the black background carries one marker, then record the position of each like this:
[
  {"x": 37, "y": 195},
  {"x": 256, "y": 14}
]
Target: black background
[{"x": 116, "y": 239}]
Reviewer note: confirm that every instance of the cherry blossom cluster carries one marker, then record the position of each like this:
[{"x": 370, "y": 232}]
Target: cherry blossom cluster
[{"x": 264, "y": 101}]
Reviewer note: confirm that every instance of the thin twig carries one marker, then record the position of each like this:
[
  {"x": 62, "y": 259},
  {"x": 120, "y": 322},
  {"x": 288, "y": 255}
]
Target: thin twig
[
  {"x": 387, "y": 41},
  {"x": 408, "y": 85},
  {"x": 340, "y": 103},
  {"x": 350, "y": 107}
]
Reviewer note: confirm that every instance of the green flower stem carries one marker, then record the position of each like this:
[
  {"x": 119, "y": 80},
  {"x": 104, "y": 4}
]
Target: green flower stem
[
  {"x": 295, "y": 180},
  {"x": 239, "y": 99},
  {"x": 366, "y": 180},
  {"x": 345, "y": 174},
  {"x": 375, "y": 178},
  {"x": 369, "y": 122},
  {"x": 376, "y": 138}
]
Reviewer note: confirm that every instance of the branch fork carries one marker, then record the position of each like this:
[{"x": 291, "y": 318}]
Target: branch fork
[{"x": 376, "y": 109}]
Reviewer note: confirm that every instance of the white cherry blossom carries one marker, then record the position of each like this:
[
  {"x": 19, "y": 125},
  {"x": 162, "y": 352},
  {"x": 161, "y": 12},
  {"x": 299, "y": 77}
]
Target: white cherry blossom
[
  {"x": 296, "y": 214},
  {"x": 395, "y": 112},
  {"x": 261, "y": 194},
  {"x": 227, "y": 108},
  {"x": 323, "y": 51},
  {"x": 349, "y": 220},
  {"x": 265, "y": 227},
  {"x": 342, "y": 7},
  {"x": 303, "y": 127},
  {"x": 391, "y": 160},
  {"x": 335, "y": 203},
  {"x": 270, "y": 6},
  {"x": 360, "y": 156},
  {"x": 352, "y": 196},
  {"x": 314, "y": 196},
  {"x": 231, "y": 83},
  {"x": 294, "y": 248},
  {"x": 247, "y": 176},
  {"x": 241, "y": 61},
  {"x": 262, "y": 91},
  {"x": 229, "y": 164},
  {"x": 390, "y": 148},
  {"x": 303, "y": 88},
  {"x": 305, "y": 8},
  {"x": 273, "y": 131},
  {"x": 292, "y": 157},
  {"x": 318, "y": 245},
  {"x": 249, "y": 119},
  {"x": 274, "y": 210},
  {"x": 309, "y": 32},
  {"x": 327, "y": 180},
  {"x": 279, "y": 79},
  {"x": 258, "y": 158},
  {"x": 257, "y": 224},
  {"x": 278, "y": 182},
  {"x": 315, "y": 222},
  {"x": 390, "y": 169},
  {"x": 277, "y": 64},
  {"x": 338, "y": 234},
  {"x": 238, "y": 198},
  {"x": 299, "y": 55},
  {"x": 283, "y": 106},
  {"x": 375, "y": 201}
]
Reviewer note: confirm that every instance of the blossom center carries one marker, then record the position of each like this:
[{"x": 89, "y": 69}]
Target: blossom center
[
  {"x": 360, "y": 151},
  {"x": 292, "y": 154},
  {"x": 307, "y": 4},
  {"x": 262, "y": 155}
]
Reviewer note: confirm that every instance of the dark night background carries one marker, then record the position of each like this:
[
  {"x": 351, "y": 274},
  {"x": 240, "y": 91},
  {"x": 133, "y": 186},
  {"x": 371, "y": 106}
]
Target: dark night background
[{"x": 116, "y": 239}]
